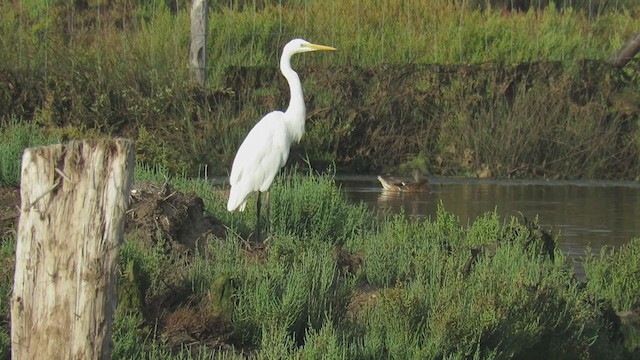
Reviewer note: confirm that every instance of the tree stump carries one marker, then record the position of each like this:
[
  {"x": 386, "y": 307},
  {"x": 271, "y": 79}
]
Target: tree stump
[{"x": 74, "y": 200}]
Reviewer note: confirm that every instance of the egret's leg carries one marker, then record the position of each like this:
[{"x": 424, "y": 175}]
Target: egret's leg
[
  {"x": 257, "y": 235},
  {"x": 266, "y": 210}
]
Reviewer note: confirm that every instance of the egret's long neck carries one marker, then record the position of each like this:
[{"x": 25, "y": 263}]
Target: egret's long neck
[{"x": 296, "y": 113}]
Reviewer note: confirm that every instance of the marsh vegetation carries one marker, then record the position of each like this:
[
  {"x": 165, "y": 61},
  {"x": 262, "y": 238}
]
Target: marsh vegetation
[
  {"x": 334, "y": 282},
  {"x": 450, "y": 88}
]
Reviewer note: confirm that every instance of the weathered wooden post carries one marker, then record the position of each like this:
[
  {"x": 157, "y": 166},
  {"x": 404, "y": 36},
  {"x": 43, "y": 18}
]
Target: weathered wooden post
[
  {"x": 199, "y": 28},
  {"x": 627, "y": 52},
  {"x": 74, "y": 199}
]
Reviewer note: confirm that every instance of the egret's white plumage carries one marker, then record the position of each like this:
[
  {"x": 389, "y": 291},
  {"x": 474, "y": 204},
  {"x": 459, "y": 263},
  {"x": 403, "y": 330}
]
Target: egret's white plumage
[{"x": 266, "y": 148}]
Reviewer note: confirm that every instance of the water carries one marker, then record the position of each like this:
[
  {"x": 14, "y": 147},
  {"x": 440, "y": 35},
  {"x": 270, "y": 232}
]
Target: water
[{"x": 582, "y": 213}]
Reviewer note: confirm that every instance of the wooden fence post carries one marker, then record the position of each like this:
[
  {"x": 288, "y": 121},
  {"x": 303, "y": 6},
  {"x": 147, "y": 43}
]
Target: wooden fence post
[
  {"x": 74, "y": 199},
  {"x": 627, "y": 52},
  {"x": 199, "y": 28}
]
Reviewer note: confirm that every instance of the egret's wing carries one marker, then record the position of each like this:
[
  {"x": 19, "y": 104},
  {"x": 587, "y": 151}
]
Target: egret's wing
[{"x": 262, "y": 153}]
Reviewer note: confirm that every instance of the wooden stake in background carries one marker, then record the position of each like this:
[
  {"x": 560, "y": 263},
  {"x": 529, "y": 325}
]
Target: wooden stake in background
[
  {"x": 74, "y": 199},
  {"x": 199, "y": 29}
]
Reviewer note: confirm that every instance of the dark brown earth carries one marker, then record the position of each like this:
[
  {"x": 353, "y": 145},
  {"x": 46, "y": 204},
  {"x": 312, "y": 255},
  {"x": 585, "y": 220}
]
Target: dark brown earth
[{"x": 161, "y": 211}]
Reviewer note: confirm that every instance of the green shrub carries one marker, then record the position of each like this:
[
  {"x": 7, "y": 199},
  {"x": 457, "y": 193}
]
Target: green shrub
[
  {"x": 438, "y": 299},
  {"x": 314, "y": 207},
  {"x": 614, "y": 275}
]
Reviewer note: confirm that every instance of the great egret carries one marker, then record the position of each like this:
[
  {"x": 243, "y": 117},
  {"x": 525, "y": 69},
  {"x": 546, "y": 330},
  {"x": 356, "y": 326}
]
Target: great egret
[
  {"x": 420, "y": 185},
  {"x": 266, "y": 148}
]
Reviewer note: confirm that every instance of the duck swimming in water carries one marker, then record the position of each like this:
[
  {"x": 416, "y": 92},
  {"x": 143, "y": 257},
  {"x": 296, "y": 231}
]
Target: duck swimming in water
[{"x": 419, "y": 185}]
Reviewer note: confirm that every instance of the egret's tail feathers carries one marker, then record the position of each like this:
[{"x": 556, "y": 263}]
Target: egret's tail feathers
[{"x": 236, "y": 201}]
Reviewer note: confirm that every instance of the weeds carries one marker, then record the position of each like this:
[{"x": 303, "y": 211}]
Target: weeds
[
  {"x": 314, "y": 207},
  {"x": 15, "y": 137},
  {"x": 7, "y": 262}
]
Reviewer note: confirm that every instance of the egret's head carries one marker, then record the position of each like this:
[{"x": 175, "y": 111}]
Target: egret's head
[{"x": 298, "y": 46}]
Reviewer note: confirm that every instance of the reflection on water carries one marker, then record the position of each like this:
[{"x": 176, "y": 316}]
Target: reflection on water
[{"x": 595, "y": 213}]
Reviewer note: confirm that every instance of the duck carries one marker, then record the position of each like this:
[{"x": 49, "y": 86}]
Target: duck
[{"x": 392, "y": 184}]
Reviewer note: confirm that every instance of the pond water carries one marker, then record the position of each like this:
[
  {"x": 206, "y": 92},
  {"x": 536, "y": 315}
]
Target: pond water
[{"x": 581, "y": 212}]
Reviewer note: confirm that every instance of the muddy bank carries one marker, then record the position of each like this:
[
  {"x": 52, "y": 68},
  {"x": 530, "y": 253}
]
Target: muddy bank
[
  {"x": 539, "y": 119},
  {"x": 504, "y": 121}
]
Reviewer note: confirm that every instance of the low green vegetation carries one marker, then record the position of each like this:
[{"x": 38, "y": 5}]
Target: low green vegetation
[
  {"x": 356, "y": 289},
  {"x": 332, "y": 282},
  {"x": 613, "y": 275}
]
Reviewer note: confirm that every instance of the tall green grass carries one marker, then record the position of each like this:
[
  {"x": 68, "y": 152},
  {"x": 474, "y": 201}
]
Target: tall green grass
[
  {"x": 133, "y": 80},
  {"x": 7, "y": 260},
  {"x": 15, "y": 137}
]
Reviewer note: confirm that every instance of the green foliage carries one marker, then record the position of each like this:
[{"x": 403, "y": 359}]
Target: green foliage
[
  {"x": 323, "y": 343},
  {"x": 430, "y": 288},
  {"x": 506, "y": 304},
  {"x": 614, "y": 275},
  {"x": 297, "y": 288},
  {"x": 129, "y": 336},
  {"x": 132, "y": 80},
  {"x": 7, "y": 267},
  {"x": 142, "y": 270},
  {"x": 553, "y": 137},
  {"x": 15, "y": 137},
  {"x": 314, "y": 207}
]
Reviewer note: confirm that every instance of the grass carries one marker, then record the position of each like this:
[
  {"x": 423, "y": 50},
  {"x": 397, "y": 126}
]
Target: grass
[
  {"x": 14, "y": 138},
  {"x": 7, "y": 260},
  {"x": 613, "y": 275},
  {"x": 377, "y": 104}
]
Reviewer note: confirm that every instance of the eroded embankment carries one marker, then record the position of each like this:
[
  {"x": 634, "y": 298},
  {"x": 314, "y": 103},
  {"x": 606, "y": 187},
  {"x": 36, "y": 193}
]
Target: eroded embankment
[{"x": 530, "y": 120}]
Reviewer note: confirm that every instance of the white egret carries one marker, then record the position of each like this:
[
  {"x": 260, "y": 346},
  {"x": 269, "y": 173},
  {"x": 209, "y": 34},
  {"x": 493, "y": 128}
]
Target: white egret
[{"x": 266, "y": 148}]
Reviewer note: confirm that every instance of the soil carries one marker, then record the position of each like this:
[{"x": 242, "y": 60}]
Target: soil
[{"x": 160, "y": 211}]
